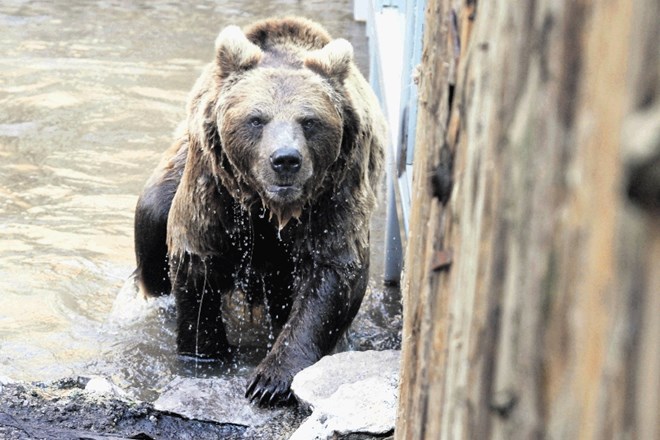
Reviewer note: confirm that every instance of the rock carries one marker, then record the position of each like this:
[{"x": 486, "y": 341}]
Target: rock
[
  {"x": 4, "y": 380},
  {"x": 102, "y": 386},
  {"x": 219, "y": 400},
  {"x": 349, "y": 392},
  {"x": 59, "y": 410},
  {"x": 322, "y": 379}
]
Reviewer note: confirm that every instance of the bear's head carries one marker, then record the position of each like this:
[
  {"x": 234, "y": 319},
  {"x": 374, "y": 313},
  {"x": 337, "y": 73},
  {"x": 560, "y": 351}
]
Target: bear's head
[{"x": 279, "y": 118}]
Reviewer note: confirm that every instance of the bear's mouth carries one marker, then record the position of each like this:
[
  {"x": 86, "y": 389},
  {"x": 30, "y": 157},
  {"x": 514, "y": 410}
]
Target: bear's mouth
[
  {"x": 283, "y": 191},
  {"x": 283, "y": 195},
  {"x": 284, "y": 202}
]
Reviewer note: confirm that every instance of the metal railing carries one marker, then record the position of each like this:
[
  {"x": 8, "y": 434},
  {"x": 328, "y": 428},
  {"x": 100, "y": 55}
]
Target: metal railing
[{"x": 395, "y": 30}]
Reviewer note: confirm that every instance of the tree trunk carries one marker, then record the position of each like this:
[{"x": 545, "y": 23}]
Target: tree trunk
[{"x": 532, "y": 298}]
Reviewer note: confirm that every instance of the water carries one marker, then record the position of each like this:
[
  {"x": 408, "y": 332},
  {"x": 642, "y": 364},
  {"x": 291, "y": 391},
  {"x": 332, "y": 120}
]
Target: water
[{"x": 90, "y": 93}]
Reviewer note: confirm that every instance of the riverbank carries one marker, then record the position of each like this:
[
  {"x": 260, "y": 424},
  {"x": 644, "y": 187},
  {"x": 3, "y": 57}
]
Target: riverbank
[
  {"x": 69, "y": 409},
  {"x": 66, "y": 410}
]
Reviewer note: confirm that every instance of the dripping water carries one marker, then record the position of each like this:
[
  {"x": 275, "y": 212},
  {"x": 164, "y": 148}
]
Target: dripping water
[
  {"x": 267, "y": 314},
  {"x": 199, "y": 315}
]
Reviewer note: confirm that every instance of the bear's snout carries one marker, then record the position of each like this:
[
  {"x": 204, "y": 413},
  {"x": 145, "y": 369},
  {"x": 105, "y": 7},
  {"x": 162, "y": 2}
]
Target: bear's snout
[
  {"x": 286, "y": 161},
  {"x": 284, "y": 165}
]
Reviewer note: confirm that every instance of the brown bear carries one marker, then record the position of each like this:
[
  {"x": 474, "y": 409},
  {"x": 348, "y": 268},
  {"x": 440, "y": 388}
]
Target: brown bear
[{"x": 269, "y": 189}]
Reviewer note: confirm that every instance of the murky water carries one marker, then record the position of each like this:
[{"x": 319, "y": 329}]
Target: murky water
[{"x": 90, "y": 93}]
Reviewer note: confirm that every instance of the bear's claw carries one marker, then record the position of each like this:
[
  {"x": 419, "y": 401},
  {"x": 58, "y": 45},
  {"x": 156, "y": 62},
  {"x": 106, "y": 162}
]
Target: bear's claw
[{"x": 266, "y": 391}]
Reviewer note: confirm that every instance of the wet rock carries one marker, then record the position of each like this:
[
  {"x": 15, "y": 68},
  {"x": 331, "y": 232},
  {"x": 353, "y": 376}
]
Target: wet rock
[
  {"x": 102, "y": 386},
  {"x": 63, "y": 410},
  {"x": 4, "y": 380},
  {"x": 349, "y": 392},
  {"x": 221, "y": 400}
]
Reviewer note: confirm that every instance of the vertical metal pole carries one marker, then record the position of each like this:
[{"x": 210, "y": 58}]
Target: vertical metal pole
[{"x": 393, "y": 250}]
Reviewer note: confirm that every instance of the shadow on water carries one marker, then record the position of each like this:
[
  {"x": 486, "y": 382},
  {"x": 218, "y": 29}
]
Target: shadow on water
[{"x": 90, "y": 93}]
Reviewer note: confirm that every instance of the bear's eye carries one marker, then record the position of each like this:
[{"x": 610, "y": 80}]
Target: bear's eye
[
  {"x": 309, "y": 124},
  {"x": 256, "y": 122}
]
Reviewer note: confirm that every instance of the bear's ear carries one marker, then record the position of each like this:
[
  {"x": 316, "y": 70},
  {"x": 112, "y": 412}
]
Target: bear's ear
[
  {"x": 234, "y": 52},
  {"x": 333, "y": 60}
]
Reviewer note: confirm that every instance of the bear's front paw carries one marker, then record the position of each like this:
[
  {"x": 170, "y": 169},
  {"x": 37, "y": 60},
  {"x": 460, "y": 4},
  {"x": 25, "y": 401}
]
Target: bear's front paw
[{"x": 270, "y": 386}]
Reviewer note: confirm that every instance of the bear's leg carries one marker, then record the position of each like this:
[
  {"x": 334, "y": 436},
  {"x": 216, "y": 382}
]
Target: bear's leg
[
  {"x": 197, "y": 287},
  {"x": 279, "y": 298},
  {"x": 327, "y": 301},
  {"x": 151, "y": 238}
]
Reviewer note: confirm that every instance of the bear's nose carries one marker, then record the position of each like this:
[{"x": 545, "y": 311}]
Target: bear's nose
[{"x": 286, "y": 160}]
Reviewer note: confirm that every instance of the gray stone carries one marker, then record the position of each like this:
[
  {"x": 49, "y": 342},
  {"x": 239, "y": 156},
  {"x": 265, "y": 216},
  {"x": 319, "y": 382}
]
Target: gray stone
[
  {"x": 4, "y": 380},
  {"x": 349, "y": 392},
  {"x": 102, "y": 386},
  {"x": 216, "y": 399}
]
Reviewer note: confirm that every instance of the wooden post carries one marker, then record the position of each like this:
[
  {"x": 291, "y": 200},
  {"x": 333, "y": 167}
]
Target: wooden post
[{"x": 532, "y": 298}]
